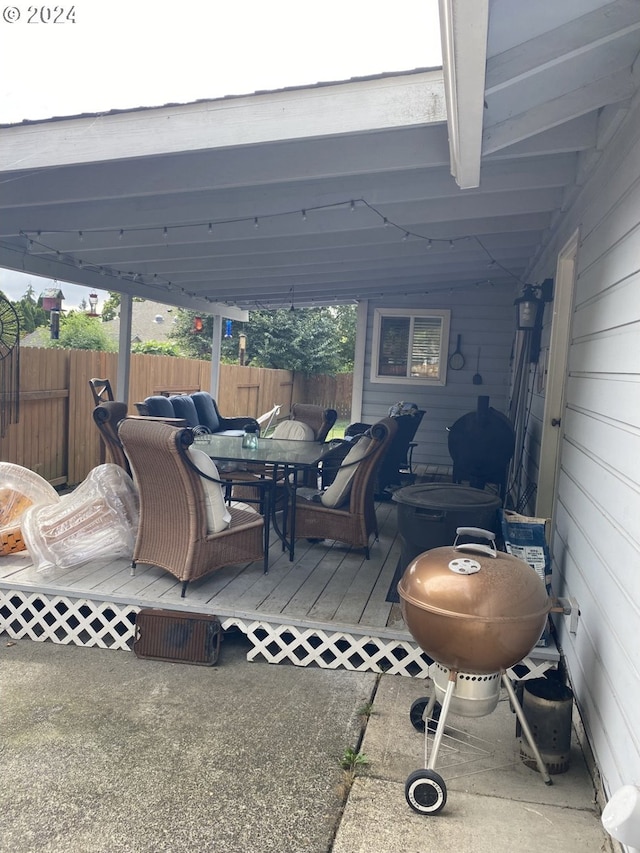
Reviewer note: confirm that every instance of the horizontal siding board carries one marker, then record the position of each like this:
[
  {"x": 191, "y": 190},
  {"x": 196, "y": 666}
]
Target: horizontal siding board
[
  {"x": 616, "y": 308},
  {"x": 596, "y": 530},
  {"x": 599, "y": 653},
  {"x": 611, "y": 265},
  {"x": 612, "y": 352},
  {"x": 614, "y": 449},
  {"x": 611, "y": 397}
]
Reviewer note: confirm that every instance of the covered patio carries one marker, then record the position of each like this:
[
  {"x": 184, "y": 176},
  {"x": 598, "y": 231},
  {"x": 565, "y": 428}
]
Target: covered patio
[{"x": 430, "y": 192}]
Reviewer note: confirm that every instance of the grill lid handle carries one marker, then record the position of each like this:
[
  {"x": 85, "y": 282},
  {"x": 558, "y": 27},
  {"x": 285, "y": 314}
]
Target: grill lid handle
[{"x": 476, "y": 547}]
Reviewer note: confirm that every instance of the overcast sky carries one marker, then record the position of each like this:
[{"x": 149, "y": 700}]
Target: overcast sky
[{"x": 130, "y": 53}]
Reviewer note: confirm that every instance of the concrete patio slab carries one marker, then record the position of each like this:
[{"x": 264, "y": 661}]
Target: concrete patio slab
[
  {"x": 101, "y": 752},
  {"x": 501, "y": 809}
]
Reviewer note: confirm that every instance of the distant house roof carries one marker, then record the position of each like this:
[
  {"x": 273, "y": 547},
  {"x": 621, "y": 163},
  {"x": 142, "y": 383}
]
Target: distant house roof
[{"x": 151, "y": 321}]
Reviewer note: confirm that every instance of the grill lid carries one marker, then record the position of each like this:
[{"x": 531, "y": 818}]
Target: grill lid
[{"x": 492, "y": 588}]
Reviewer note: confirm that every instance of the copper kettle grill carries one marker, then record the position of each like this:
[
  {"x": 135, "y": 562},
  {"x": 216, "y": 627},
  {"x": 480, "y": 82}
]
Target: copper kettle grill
[{"x": 476, "y": 611}]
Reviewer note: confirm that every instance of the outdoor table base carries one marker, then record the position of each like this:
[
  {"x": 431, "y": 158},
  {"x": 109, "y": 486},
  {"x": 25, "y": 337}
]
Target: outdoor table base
[{"x": 282, "y": 455}]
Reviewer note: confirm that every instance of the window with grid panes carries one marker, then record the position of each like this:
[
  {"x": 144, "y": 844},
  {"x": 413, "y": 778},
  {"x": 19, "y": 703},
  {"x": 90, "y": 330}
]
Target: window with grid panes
[{"x": 410, "y": 346}]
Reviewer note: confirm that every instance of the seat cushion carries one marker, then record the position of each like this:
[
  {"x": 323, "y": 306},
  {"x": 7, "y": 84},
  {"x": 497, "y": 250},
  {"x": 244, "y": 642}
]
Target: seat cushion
[
  {"x": 184, "y": 407},
  {"x": 295, "y": 430},
  {"x": 205, "y": 407},
  {"x": 159, "y": 407},
  {"x": 338, "y": 492},
  {"x": 218, "y": 515}
]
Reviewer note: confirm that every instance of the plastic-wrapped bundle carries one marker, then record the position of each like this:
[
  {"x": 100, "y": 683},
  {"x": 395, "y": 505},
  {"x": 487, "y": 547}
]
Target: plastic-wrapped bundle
[
  {"x": 20, "y": 489},
  {"x": 98, "y": 519}
]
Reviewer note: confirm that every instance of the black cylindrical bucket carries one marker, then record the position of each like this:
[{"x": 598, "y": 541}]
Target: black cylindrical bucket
[
  {"x": 548, "y": 704},
  {"x": 429, "y": 515}
]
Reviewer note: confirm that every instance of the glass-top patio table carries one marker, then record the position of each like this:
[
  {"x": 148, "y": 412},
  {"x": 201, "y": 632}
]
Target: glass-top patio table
[{"x": 285, "y": 456}]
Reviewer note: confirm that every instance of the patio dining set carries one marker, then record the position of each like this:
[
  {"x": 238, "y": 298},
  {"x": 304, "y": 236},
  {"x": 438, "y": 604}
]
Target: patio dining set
[{"x": 209, "y": 497}]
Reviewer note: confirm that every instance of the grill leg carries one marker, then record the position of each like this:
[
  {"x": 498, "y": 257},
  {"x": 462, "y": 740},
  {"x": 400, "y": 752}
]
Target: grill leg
[
  {"x": 184, "y": 589},
  {"x": 437, "y": 739},
  {"x": 517, "y": 707}
]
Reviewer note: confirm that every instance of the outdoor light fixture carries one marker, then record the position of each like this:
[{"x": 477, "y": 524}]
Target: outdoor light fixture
[
  {"x": 530, "y": 314},
  {"x": 527, "y": 310}
]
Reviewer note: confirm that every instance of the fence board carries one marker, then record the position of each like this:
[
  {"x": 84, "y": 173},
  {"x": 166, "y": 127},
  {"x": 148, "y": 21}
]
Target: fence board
[{"x": 56, "y": 436}]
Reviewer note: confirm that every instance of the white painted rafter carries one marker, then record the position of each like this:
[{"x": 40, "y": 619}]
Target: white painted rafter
[{"x": 464, "y": 25}]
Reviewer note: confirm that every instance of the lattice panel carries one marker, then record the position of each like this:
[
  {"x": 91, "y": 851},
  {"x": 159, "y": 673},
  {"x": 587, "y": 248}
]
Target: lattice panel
[
  {"x": 312, "y": 646},
  {"x": 83, "y": 622},
  {"x": 66, "y": 621}
]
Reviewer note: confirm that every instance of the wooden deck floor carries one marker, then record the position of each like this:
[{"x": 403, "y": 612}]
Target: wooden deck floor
[{"x": 327, "y": 608}]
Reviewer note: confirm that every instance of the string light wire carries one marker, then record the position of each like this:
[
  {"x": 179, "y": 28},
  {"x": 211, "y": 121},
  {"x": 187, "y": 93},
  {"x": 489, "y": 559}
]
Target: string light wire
[{"x": 212, "y": 226}]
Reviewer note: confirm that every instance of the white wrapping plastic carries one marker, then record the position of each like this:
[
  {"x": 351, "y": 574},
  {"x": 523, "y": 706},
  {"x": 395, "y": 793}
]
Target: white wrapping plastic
[
  {"x": 20, "y": 489},
  {"x": 98, "y": 519}
]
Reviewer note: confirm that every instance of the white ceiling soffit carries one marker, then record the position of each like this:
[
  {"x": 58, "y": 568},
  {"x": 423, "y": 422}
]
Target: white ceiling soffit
[
  {"x": 563, "y": 60},
  {"x": 329, "y": 194}
]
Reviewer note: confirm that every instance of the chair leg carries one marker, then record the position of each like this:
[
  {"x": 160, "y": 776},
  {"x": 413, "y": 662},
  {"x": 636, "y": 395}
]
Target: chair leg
[
  {"x": 184, "y": 589},
  {"x": 133, "y": 568},
  {"x": 267, "y": 529}
]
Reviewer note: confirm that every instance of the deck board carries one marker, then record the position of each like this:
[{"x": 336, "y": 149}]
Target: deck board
[{"x": 330, "y": 590}]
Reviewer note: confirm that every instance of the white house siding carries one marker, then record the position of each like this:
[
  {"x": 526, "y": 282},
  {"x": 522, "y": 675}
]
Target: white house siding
[
  {"x": 484, "y": 317},
  {"x": 596, "y": 539}
]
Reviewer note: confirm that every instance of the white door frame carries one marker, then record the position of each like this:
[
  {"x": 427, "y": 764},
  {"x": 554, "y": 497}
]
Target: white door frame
[{"x": 554, "y": 402}]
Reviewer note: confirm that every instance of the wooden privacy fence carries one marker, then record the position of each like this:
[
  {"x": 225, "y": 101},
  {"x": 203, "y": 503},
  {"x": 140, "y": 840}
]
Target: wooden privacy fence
[{"x": 56, "y": 436}]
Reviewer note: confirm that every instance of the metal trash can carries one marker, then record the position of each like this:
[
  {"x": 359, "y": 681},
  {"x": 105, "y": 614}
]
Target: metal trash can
[
  {"x": 429, "y": 514},
  {"x": 548, "y": 705}
]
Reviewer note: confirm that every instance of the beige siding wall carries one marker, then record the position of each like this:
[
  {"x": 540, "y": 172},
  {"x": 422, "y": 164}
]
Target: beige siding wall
[{"x": 596, "y": 538}]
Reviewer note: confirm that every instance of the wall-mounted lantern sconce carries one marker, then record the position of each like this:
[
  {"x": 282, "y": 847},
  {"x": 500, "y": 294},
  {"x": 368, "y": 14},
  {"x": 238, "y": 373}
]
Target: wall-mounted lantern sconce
[
  {"x": 530, "y": 313},
  {"x": 527, "y": 310}
]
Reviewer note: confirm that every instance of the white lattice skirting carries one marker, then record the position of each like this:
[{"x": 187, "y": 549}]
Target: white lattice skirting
[{"x": 83, "y": 622}]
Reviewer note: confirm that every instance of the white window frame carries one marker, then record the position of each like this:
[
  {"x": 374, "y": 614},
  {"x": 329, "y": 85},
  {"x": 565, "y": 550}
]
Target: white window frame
[{"x": 443, "y": 314}]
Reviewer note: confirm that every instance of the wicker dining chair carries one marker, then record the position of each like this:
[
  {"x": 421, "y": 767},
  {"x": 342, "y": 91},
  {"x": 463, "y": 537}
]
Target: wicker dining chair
[
  {"x": 174, "y": 529},
  {"x": 107, "y": 416},
  {"x": 320, "y": 420},
  {"x": 353, "y": 520}
]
